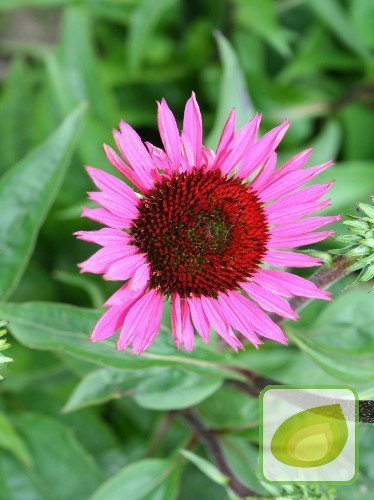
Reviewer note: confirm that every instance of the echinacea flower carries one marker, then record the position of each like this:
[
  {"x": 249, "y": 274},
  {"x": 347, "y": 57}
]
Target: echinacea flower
[{"x": 197, "y": 228}]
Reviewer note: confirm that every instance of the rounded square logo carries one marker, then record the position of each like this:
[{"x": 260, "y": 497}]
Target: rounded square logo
[{"x": 308, "y": 434}]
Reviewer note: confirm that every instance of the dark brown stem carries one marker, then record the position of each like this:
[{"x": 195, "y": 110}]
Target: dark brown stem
[{"x": 211, "y": 441}]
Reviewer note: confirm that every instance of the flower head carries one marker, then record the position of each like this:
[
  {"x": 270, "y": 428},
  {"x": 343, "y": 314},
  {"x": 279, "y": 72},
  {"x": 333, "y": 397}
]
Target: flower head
[{"x": 198, "y": 229}]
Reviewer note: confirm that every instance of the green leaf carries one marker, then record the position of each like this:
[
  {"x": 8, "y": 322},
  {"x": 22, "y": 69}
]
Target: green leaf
[
  {"x": 102, "y": 385},
  {"x": 174, "y": 389},
  {"x": 65, "y": 328},
  {"x": 11, "y": 441},
  {"x": 27, "y": 191},
  {"x": 233, "y": 91},
  {"x": 243, "y": 460},
  {"x": 63, "y": 465},
  {"x": 341, "y": 339},
  {"x": 145, "y": 17},
  {"x": 14, "y": 110},
  {"x": 206, "y": 467},
  {"x": 332, "y": 14},
  {"x": 146, "y": 479},
  {"x": 18, "y": 482},
  {"x": 367, "y": 209}
]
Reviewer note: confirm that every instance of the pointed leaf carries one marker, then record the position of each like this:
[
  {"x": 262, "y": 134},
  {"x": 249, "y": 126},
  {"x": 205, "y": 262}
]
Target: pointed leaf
[{"x": 27, "y": 191}]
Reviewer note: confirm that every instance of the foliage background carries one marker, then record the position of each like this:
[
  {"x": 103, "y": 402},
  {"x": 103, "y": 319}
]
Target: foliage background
[{"x": 78, "y": 420}]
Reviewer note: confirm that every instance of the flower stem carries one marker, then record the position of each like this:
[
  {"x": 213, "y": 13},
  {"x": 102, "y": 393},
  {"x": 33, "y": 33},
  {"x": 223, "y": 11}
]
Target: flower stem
[{"x": 211, "y": 441}]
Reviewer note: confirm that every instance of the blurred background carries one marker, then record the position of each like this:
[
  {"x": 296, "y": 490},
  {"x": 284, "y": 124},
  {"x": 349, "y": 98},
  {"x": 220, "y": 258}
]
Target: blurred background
[{"x": 306, "y": 60}]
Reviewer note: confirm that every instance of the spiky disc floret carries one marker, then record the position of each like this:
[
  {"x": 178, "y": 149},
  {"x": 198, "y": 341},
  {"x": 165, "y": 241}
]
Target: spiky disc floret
[{"x": 202, "y": 233}]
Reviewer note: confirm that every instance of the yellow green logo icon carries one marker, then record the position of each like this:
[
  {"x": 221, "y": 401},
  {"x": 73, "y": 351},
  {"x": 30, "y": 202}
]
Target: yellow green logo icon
[{"x": 311, "y": 437}]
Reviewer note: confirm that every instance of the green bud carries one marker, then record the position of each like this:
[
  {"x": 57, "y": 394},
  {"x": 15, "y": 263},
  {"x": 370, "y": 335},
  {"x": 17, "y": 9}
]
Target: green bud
[
  {"x": 357, "y": 251},
  {"x": 367, "y": 209},
  {"x": 367, "y": 273},
  {"x": 369, "y": 242},
  {"x": 360, "y": 240},
  {"x": 348, "y": 238}
]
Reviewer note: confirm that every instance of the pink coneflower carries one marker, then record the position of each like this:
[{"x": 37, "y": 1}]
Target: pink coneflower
[{"x": 197, "y": 228}]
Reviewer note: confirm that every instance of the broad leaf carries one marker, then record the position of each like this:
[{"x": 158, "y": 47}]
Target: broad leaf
[
  {"x": 151, "y": 479},
  {"x": 104, "y": 384},
  {"x": 61, "y": 464},
  {"x": 26, "y": 193},
  {"x": 11, "y": 441},
  {"x": 65, "y": 328},
  {"x": 206, "y": 467},
  {"x": 341, "y": 339},
  {"x": 173, "y": 389}
]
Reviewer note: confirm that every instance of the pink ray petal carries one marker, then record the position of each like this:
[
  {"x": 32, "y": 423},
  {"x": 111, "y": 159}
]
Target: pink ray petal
[
  {"x": 264, "y": 278},
  {"x": 268, "y": 301},
  {"x": 303, "y": 226},
  {"x": 176, "y": 319},
  {"x": 110, "y": 321},
  {"x": 103, "y": 216},
  {"x": 294, "y": 284},
  {"x": 142, "y": 322},
  {"x": 227, "y": 135},
  {"x": 262, "y": 150},
  {"x": 208, "y": 158},
  {"x": 135, "y": 153},
  {"x": 218, "y": 320},
  {"x": 237, "y": 321},
  {"x": 290, "y": 182},
  {"x": 260, "y": 322},
  {"x": 199, "y": 319},
  {"x": 160, "y": 158},
  {"x": 290, "y": 259},
  {"x": 293, "y": 213},
  {"x": 180, "y": 323},
  {"x": 187, "y": 332},
  {"x": 294, "y": 163},
  {"x": 103, "y": 259},
  {"x": 265, "y": 173},
  {"x": 115, "y": 203},
  {"x": 299, "y": 240},
  {"x": 124, "y": 169},
  {"x": 239, "y": 146},
  {"x": 126, "y": 293},
  {"x": 169, "y": 133},
  {"x": 104, "y": 237},
  {"x": 192, "y": 134},
  {"x": 111, "y": 185},
  {"x": 125, "y": 269}
]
